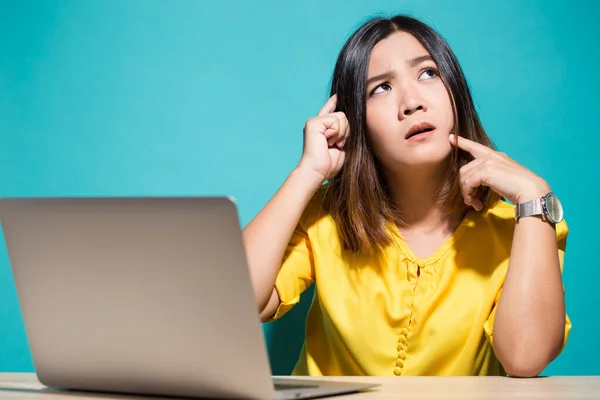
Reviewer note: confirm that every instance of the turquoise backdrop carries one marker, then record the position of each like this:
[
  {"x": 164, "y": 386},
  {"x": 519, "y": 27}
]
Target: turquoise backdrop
[{"x": 148, "y": 97}]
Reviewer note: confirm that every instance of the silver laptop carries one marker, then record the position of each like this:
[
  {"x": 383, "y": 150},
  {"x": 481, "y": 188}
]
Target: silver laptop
[{"x": 142, "y": 295}]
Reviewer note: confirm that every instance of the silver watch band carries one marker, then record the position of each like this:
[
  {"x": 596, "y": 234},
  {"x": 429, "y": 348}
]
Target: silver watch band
[{"x": 529, "y": 208}]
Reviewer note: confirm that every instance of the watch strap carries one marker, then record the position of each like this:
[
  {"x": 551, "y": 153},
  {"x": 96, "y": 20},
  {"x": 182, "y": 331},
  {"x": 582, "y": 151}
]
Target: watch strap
[{"x": 529, "y": 208}]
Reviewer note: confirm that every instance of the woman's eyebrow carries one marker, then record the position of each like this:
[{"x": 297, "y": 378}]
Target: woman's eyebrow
[
  {"x": 386, "y": 75},
  {"x": 413, "y": 62}
]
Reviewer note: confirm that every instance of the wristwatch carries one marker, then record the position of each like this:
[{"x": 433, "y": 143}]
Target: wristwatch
[{"x": 547, "y": 206}]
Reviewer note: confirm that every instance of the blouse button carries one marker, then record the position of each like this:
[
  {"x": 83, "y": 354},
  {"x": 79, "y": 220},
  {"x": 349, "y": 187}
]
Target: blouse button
[
  {"x": 404, "y": 332},
  {"x": 397, "y": 371},
  {"x": 401, "y": 355},
  {"x": 399, "y": 363},
  {"x": 400, "y": 346}
]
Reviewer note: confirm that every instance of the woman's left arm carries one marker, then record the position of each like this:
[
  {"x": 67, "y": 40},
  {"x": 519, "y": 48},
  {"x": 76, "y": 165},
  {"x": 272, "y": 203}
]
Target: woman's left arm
[{"x": 530, "y": 317}]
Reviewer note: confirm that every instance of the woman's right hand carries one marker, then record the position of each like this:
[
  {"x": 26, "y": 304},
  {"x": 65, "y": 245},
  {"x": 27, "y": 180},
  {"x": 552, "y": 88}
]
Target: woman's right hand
[{"x": 324, "y": 139}]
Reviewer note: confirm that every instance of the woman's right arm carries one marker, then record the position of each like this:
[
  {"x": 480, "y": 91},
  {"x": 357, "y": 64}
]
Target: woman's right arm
[{"x": 268, "y": 234}]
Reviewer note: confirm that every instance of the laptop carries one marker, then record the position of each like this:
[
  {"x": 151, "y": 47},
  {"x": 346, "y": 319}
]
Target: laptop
[{"x": 146, "y": 296}]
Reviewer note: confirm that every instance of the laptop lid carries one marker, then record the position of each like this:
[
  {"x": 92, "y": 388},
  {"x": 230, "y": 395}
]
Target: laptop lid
[{"x": 139, "y": 295}]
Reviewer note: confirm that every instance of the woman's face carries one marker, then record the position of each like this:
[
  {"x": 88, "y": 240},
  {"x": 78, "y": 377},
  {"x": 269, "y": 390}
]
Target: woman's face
[{"x": 409, "y": 111}]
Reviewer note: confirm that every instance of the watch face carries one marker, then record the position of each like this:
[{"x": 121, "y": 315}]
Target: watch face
[{"x": 554, "y": 208}]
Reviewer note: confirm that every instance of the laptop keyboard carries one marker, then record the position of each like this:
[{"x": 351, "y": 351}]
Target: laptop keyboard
[{"x": 293, "y": 386}]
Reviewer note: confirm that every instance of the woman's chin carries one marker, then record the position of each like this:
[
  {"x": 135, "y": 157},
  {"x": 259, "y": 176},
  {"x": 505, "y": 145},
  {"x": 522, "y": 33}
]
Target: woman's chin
[{"x": 426, "y": 159}]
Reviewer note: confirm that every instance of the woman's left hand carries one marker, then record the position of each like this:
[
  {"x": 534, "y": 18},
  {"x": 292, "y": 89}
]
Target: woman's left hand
[{"x": 498, "y": 172}]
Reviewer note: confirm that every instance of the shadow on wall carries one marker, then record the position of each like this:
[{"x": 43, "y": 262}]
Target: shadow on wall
[{"x": 286, "y": 336}]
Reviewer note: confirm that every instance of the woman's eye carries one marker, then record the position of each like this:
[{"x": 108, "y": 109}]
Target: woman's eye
[
  {"x": 384, "y": 87},
  {"x": 429, "y": 73}
]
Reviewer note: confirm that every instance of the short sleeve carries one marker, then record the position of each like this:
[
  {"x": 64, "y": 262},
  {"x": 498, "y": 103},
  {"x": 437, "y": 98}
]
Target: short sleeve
[
  {"x": 296, "y": 273},
  {"x": 562, "y": 232}
]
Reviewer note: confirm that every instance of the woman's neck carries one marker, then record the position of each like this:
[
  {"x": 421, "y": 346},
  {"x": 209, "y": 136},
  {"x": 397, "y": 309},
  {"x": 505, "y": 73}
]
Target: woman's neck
[{"x": 416, "y": 192}]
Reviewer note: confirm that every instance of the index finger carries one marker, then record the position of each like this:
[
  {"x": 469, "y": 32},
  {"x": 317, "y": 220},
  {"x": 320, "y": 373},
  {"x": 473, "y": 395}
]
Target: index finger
[
  {"x": 477, "y": 150},
  {"x": 329, "y": 107}
]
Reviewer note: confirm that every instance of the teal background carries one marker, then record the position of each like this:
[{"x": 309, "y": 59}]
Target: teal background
[{"x": 106, "y": 97}]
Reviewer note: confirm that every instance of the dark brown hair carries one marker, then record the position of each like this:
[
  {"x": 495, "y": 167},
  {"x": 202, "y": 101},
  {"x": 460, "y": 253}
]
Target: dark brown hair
[{"x": 357, "y": 197}]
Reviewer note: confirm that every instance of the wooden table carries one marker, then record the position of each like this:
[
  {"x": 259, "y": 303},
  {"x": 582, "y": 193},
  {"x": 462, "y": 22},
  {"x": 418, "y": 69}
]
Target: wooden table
[{"x": 26, "y": 386}]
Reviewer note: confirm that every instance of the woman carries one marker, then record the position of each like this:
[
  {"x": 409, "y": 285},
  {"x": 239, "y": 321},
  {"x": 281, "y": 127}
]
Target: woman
[{"x": 398, "y": 212}]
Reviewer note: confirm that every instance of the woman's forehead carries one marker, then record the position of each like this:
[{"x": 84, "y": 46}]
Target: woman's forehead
[{"x": 395, "y": 51}]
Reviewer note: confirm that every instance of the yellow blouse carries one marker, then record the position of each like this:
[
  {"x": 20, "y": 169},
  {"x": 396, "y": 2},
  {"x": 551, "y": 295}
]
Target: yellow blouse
[{"x": 397, "y": 313}]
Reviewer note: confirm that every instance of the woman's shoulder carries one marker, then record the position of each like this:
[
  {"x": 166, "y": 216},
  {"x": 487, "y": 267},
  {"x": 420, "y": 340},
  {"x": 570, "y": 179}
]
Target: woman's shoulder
[
  {"x": 317, "y": 210},
  {"x": 501, "y": 216}
]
